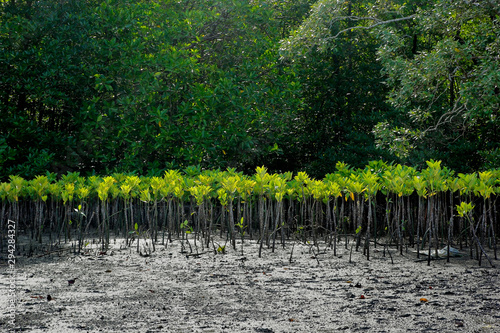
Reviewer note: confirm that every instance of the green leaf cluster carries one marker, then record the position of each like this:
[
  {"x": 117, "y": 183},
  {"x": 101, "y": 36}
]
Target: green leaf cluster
[{"x": 227, "y": 186}]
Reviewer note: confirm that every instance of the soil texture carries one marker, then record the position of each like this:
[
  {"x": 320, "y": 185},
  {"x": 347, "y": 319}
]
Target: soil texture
[{"x": 173, "y": 290}]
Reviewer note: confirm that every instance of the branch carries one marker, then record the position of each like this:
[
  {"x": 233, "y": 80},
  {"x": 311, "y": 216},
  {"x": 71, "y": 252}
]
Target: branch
[
  {"x": 373, "y": 25},
  {"x": 447, "y": 117}
]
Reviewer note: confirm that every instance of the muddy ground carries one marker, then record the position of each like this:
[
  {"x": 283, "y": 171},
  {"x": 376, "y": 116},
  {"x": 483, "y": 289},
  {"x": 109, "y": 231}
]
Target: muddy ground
[{"x": 172, "y": 291}]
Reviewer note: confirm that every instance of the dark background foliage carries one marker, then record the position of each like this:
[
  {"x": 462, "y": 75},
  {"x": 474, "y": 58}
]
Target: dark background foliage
[{"x": 142, "y": 86}]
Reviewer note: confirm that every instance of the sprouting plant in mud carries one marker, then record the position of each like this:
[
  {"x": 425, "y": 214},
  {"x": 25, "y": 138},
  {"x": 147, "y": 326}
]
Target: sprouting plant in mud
[
  {"x": 138, "y": 233},
  {"x": 187, "y": 230},
  {"x": 241, "y": 227},
  {"x": 465, "y": 210},
  {"x": 358, "y": 232},
  {"x": 79, "y": 217},
  {"x": 221, "y": 249}
]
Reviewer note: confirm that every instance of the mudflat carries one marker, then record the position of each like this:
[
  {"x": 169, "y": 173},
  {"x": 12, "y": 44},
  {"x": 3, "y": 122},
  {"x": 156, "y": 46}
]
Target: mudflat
[{"x": 174, "y": 290}]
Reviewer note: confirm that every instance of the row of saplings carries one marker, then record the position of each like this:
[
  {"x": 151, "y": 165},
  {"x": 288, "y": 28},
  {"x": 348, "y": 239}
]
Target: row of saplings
[{"x": 206, "y": 209}]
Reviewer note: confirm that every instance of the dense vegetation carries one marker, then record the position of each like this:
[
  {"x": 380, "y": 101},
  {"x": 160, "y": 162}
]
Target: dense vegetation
[
  {"x": 105, "y": 86},
  {"x": 424, "y": 209}
]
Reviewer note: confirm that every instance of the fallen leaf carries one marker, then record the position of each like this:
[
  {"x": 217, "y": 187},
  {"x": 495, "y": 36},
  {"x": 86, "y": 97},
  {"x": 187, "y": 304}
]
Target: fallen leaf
[
  {"x": 349, "y": 281},
  {"x": 108, "y": 271},
  {"x": 423, "y": 300},
  {"x": 291, "y": 319}
]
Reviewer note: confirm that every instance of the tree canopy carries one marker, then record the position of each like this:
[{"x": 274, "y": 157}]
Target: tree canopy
[{"x": 141, "y": 86}]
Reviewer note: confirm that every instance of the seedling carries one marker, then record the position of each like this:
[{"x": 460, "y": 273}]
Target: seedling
[
  {"x": 358, "y": 231},
  {"x": 241, "y": 228},
  {"x": 220, "y": 249},
  {"x": 465, "y": 210},
  {"x": 138, "y": 233},
  {"x": 296, "y": 236},
  {"x": 187, "y": 230}
]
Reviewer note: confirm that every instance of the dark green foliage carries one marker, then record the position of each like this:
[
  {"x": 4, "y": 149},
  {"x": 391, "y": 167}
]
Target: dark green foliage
[
  {"x": 118, "y": 86},
  {"x": 342, "y": 88},
  {"x": 103, "y": 86},
  {"x": 442, "y": 68}
]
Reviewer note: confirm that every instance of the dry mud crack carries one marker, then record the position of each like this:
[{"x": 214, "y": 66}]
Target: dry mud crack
[{"x": 121, "y": 291}]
